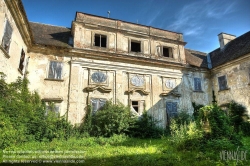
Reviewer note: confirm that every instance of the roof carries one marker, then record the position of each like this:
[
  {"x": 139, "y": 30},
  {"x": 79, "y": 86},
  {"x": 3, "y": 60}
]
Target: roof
[
  {"x": 196, "y": 58},
  {"x": 50, "y": 35},
  {"x": 231, "y": 51}
]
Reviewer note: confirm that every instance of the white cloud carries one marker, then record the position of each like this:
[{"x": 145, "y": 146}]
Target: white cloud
[{"x": 191, "y": 19}]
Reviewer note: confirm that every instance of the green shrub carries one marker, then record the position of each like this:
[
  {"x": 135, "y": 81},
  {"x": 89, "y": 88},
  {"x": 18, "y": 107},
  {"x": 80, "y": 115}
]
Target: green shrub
[
  {"x": 111, "y": 119},
  {"x": 146, "y": 127},
  {"x": 238, "y": 115},
  {"x": 196, "y": 109}
]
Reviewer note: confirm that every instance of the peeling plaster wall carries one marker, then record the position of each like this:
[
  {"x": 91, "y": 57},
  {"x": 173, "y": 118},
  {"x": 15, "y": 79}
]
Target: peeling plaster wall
[
  {"x": 9, "y": 62},
  {"x": 238, "y": 82},
  {"x": 38, "y": 73}
]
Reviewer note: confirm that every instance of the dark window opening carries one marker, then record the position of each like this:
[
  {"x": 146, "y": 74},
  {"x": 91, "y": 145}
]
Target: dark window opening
[
  {"x": 135, "y": 46},
  {"x": 21, "y": 63},
  {"x": 135, "y": 105},
  {"x": 166, "y": 52},
  {"x": 100, "y": 40},
  {"x": 222, "y": 82},
  {"x": 171, "y": 108}
]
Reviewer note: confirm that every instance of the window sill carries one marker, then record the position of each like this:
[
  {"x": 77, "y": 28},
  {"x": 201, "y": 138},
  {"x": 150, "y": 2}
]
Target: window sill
[
  {"x": 198, "y": 91},
  {"x": 51, "y": 79},
  {"x": 52, "y": 99},
  {"x": 224, "y": 90},
  {"x": 20, "y": 71},
  {"x": 4, "y": 52},
  {"x": 99, "y": 48}
]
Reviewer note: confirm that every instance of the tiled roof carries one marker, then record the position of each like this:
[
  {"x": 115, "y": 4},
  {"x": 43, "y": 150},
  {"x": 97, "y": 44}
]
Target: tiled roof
[
  {"x": 196, "y": 58},
  {"x": 50, "y": 35},
  {"x": 232, "y": 50}
]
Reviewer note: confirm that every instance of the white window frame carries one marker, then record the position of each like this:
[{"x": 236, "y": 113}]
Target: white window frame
[
  {"x": 140, "y": 105},
  {"x": 55, "y": 76}
]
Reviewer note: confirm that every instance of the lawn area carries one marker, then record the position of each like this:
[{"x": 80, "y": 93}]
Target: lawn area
[{"x": 121, "y": 150}]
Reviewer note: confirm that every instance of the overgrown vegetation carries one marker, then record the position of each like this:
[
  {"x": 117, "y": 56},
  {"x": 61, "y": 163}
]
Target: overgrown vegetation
[
  {"x": 195, "y": 138},
  {"x": 22, "y": 116}
]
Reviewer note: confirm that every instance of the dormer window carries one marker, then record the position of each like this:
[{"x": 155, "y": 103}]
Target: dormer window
[{"x": 100, "y": 40}]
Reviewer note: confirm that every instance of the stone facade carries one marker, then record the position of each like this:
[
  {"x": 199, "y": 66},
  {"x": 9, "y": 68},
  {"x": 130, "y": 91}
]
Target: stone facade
[{"x": 100, "y": 59}]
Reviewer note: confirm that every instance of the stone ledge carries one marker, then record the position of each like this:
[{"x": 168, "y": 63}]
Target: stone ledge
[
  {"x": 198, "y": 91},
  {"x": 4, "y": 52},
  {"x": 224, "y": 90},
  {"x": 52, "y": 99},
  {"x": 51, "y": 79}
]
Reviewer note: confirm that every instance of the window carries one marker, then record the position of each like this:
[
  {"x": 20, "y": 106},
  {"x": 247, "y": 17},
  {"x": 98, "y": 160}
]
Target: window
[
  {"x": 135, "y": 46},
  {"x": 165, "y": 51},
  {"x": 55, "y": 70},
  {"x": 7, "y": 36},
  {"x": 52, "y": 108},
  {"x": 97, "y": 104},
  {"x": 138, "y": 106},
  {"x": 21, "y": 63},
  {"x": 171, "y": 108},
  {"x": 197, "y": 84},
  {"x": 100, "y": 40},
  {"x": 222, "y": 83}
]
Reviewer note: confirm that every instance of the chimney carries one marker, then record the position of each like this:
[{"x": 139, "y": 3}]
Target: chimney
[{"x": 225, "y": 38}]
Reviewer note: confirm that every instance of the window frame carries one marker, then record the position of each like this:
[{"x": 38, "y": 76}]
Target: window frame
[
  {"x": 93, "y": 40},
  {"x": 135, "y": 41},
  {"x": 160, "y": 51},
  {"x": 168, "y": 112},
  {"x": 99, "y": 105},
  {"x": 56, "y": 105},
  {"x": 140, "y": 103},
  {"x": 6, "y": 52},
  {"x": 48, "y": 71},
  {"x": 219, "y": 85},
  {"x": 198, "y": 90}
]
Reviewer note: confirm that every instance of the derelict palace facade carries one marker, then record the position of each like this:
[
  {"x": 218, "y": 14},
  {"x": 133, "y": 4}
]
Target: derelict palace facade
[{"x": 100, "y": 59}]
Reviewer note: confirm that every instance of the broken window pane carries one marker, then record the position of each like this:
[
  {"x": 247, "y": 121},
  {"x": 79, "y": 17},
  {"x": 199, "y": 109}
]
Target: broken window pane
[
  {"x": 97, "y": 104},
  {"x": 135, "y": 46},
  {"x": 135, "y": 105},
  {"x": 22, "y": 58},
  {"x": 100, "y": 40},
  {"x": 7, "y": 36},
  {"x": 171, "y": 109},
  {"x": 222, "y": 82},
  {"x": 197, "y": 84},
  {"x": 55, "y": 70}
]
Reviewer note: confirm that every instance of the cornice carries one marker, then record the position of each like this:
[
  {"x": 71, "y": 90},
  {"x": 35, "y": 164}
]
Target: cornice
[{"x": 18, "y": 13}]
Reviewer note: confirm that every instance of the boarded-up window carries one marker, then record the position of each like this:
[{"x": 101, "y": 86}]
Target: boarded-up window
[
  {"x": 7, "y": 36},
  {"x": 222, "y": 82},
  {"x": 197, "y": 84},
  {"x": 97, "y": 104},
  {"x": 55, "y": 70},
  {"x": 171, "y": 109},
  {"x": 22, "y": 58}
]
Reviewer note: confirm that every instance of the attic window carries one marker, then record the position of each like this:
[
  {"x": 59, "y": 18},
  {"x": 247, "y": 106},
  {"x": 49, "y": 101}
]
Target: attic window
[
  {"x": 100, "y": 40},
  {"x": 167, "y": 52},
  {"x": 135, "y": 46}
]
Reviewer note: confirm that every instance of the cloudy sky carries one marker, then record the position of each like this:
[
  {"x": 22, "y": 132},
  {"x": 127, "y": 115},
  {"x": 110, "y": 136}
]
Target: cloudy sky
[{"x": 200, "y": 21}]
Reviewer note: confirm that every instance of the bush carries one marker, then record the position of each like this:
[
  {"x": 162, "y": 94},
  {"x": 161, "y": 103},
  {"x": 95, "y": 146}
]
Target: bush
[
  {"x": 111, "y": 119},
  {"x": 23, "y": 117},
  {"x": 146, "y": 127}
]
